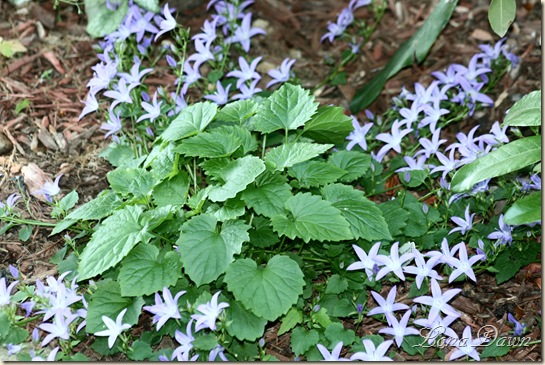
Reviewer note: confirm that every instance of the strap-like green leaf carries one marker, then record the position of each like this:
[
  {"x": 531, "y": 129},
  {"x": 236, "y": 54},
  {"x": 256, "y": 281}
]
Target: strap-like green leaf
[
  {"x": 526, "y": 112},
  {"x": 525, "y": 210},
  {"x": 510, "y": 157}
]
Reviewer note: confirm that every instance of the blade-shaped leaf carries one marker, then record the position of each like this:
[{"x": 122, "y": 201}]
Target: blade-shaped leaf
[
  {"x": 290, "y": 154},
  {"x": 312, "y": 218},
  {"x": 416, "y": 48},
  {"x": 501, "y": 14},
  {"x": 525, "y": 210},
  {"x": 287, "y": 108},
  {"x": 510, "y": 157},
  {"x": 191, "y": 120},
  {"x": 526, "y": 112},
  {"x": 266, "y": 291}
]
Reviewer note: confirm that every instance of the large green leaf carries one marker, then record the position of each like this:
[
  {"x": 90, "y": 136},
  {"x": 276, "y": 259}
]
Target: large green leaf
[
  {"x": 501, "y": 14},
  {"x": 107, "y": 301},
  {"x": 266, "y": 291},
  {"x": 238, "y": 111},
  {"x": 329, "y": 125},
  {"x": 507, "y": 158},
  {"x": 172, "y": 191},
  {"x": 162, "y": 160},
  {"x": 268, "y": 195},
  {"x": 365, "y": 218},
  {"x": 525, "y": 210},
  {"x": 112, "y": 241},
  {"x": 287, "y": 108},
  {"x": 136, "y": 181},
  {"x": 191, "y": 120},
  {"x": 526, "y": 112},
  {"x": 150, "y": 5},
  {"x": 219, "y": 142},
  {"x": 312, "y": 218},
  {"x": 244, "y": 325},
  {"x": 98, "y": 208},
  {"x": 290, "y": 154},
  {"x": 315, "y": 173},
  {"x": 416, "y": 48},
  {"x": 101, "y": 20},
  {"x": 206, "y": 253},
  {"x": 354, "y": 163},
  {"x": 236, "y": 175},
  {"x": 144, "y": 273}
]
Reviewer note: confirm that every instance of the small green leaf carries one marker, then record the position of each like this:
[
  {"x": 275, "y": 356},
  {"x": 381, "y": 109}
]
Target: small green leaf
[
  {"x": 25, "y": 232},
  {"x": 526, "y": 112},
  {"x": 287, "y": 108},
  {"x": 336, "y": 284},
  {"x": 162, "y": 160},
  {"x": 244, "y": 325},
  {"x": 268, "y": 195},
  {"x": 507, "y": 158},
  {"x": 112, "y": 241},
  {"x": 499, "y": 347},
  {"x": 365, "y": 218},
  {"x": 266, "y": 291},
  {"x": 206, "y": 342},
  {"x": 525, "y": 210},
  {"x": 136, "y": 181},
  {"x": 290, "y": 320},
  {"x": 290, "y": 154},
  {"x": 150, "y": 5},
  {"x": 102, "y": 20},
  {"x": 302, "y": 340},
  {"x": 315, "y": 173},
  {"x": 171, "y": 191},
  {"x": 336, "y": 333},
  {"x": 329, "y": 125},
  {"x": 140, "y": 350},
  {"x": 107, "y": 301},
  {"x": 501, "y": 14},
  {"x": 191, "y": 120},
  {"x": 236, "y": 175},
  {"x": 143, "y": 273},
  {"x": 21, "y": 105},
  {"x": 312, "y": 218},
  {"x": 69, "y": 201},
  {"x": 354, "y": 163}
]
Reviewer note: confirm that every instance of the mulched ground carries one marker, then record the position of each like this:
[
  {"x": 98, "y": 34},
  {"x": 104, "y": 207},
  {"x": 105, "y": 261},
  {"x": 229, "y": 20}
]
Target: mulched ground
[{"x": 53, "y": 72}]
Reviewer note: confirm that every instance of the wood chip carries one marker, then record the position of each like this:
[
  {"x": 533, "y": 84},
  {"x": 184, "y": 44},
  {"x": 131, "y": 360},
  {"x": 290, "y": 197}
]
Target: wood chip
[
  {"x": 482, "y": 35},
  {"x": 53, "y": 60}
]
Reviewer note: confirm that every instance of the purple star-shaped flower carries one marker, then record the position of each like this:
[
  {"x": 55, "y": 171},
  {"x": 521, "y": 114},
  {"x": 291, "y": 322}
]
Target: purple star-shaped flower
[
  {"x": 438, "y": 327},
  {"x": 388, "y": 306},
  {"x": 167, "y": 24},
  {"x": 209, "y": 313},
  {"x": 462, "y": 264},
  {"x": 122, "y": 94},
  {"x": 439, "y": 301},
  {"x": 464, "y": 225},
  {"x": 153, "y": 109},
  {"x": 91, "y": 105},
  {"x": 247, "y": 92},
  {"x": 423, "y": 269},
  {"x": 113, "y": 125},
  {"x": 392, "y": 140},
  {"x": 244, "y": 32},
  {"x": 367, "y": 261},
  {"x": 358, "y": 135},
  {"x": 135, "y": 75},
  {"x": 221, "y": 96},
  {"x": 393, "y": 262},
  {"x": 519, "y": 327},
  {"x": 399, "y": 329},
  {"x": 49, "y": 189},
  {"x": 165, "y": 310},
  {"x": 466, "y": 346},
  {"x": 334, "y": 355},
  {"x": 282, "y": 74},
  {"x": 503, "y": 236},
  {"x": 371, "y": 353},
  {"x": 246, "y": 72}
]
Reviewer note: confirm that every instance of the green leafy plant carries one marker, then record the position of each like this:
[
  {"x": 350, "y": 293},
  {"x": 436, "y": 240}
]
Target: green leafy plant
[{"x": 501, "y": 15}]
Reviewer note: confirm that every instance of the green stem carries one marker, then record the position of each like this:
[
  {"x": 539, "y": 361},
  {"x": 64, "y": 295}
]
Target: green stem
[{"x": 29, "y": 221}]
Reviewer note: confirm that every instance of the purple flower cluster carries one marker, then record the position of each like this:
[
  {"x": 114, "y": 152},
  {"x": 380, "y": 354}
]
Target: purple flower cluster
[{"x": 344, "y": 20}]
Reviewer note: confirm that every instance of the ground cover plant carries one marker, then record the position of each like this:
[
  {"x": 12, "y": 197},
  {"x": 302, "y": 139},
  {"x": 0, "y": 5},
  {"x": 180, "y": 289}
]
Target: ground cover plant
[{"x": 237, "y": 205}]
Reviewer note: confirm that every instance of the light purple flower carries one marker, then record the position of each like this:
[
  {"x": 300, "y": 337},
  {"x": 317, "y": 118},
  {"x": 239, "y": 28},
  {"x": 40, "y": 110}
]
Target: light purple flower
[
  {"x": 185, "y": 341},
  {"x": 217, "y": 351},
  {"x": 244, "y": 32},
  {"x": 358, "y": 135},
  {"x": 413, "y": 164},
  {"x": 203, "y": 53},
  {"x": 448, "y": 164},
  {"x": 282, "y": 74},
  {"x": 141, "y": 24},
  {"x": 334, "y": 355},
  {"x": 473, "y": 70},
  {"x": 399, "y": 329},
  {"x": 438, "y": 327},
  {"x": 221, "y": 96},
  {"x": 59, "y": 328},
  {"x": 112, "y": 126},
  {"x": 208, "y": 31},
  {"x": 246, "y": 72},
  {"x": 191, "y": 75},
  {"x": 497, "y": 135},
  {"x": 393, "y": 262},
  {"x": 167, "y": 24},
  {"x": 433, "y": 113},
  {"x": 121, "y": 94},
  {"x": 167, "y": 310},
  {"x": 466, "y": 346},
  {"x": 153, "y": 110},
  {"x": 247, "y": 92},
  {"x": 388, "y": 306},
  {"x": 5, "y": 293},
  {"x": 462, "y": 265},
  {"x": 439, "y": 301},
  {"x": 464, "y": 225},
  {"x": 367, "y": 261},
  {"x": 392, "y": 140},
  {"x": 135, "y": 76},
  {"x": 209, "y": 313},
  {"x": 114, "y": 328},
  {"x": 103, "y": 75},
  {"x": 503, "y": 236},
  {"x": 49, "y": 189},
  {"x": 91, "y": 105},
  {"x": 371, "y": 353},
  {"x": 519, "y": 327},
  {"x": 410, "y": 115},
  {"x": 423, "y": 269}
]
